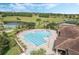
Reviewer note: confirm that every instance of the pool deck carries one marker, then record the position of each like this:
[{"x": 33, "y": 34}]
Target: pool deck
[{"x": 47, "y": 46}]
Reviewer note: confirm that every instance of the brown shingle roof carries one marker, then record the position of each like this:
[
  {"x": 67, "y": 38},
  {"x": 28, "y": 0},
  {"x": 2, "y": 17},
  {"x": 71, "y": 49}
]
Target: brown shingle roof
[
  {"x": 69, "y": 32},
  {"x": 68, "y": 39},
  {"x": 70, "y": 44},
  {"x": 66, "y": 33}
]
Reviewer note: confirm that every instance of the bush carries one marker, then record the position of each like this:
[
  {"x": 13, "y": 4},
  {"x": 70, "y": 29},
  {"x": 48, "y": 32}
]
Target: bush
[
  {"x": 44, "y": 15},
  {"x": 16, "y": 14},
  {"x": 72, "y": 21},
  {"x": 52, "y": 26},
  {"x": 4, "y": 43},
  {"x": 38, "y": 52}
]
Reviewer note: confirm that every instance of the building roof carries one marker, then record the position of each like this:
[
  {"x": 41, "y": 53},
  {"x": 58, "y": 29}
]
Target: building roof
[
  {"x": 68, "y": 39},
  {"x": 66, "y": 33}
]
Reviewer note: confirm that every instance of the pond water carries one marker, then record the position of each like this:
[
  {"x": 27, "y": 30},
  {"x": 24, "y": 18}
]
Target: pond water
[{"x": 10, "y": 25}]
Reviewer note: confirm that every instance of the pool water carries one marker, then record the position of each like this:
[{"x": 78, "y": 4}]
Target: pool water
[{"x": 37, "y": 37}]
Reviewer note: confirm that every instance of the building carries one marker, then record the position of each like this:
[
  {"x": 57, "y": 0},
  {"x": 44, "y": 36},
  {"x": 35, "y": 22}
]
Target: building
[{"x": 68, "y": 41}]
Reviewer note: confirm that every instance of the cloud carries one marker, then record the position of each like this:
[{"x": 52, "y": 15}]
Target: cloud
[
  {"x": 32, "y": 7},
  {"x": 40, "y": 7},
  {"x": 49, "y": 6},
  {"x": 18, "y": 7},
  {"x": 28, "y": 7}
]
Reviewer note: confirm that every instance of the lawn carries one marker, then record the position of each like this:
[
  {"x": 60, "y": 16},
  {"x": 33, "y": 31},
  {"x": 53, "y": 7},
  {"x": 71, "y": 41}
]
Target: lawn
[
  {"x": 14, "y": 51},
  {"x": 32, "y": 19}
]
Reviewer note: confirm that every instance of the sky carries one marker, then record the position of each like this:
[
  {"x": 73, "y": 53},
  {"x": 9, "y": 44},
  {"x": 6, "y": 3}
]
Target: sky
[{"x": 67, "y": 8}]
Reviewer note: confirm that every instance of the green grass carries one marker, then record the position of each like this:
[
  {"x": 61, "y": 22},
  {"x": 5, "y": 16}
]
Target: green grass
[
  {"x": 10, "y": 18},
  {"x": 14, "y": 51},
  {"x": 32, "y": 19}
]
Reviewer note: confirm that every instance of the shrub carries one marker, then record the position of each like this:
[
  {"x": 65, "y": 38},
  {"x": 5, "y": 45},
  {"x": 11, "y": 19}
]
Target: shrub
[{"x": 38, "y": 52}]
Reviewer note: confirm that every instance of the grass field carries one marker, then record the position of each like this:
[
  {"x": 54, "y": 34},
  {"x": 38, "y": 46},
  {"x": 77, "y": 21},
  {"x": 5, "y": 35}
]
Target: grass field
[{"x": 31, "y": 19}]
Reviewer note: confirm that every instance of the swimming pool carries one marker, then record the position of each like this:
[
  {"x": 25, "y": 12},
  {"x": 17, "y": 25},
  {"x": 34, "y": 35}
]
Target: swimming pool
[{"x": 37, "y": 38}]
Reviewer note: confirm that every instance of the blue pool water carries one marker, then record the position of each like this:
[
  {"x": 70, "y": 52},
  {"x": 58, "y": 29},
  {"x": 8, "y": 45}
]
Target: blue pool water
[{"x": 36, "y": 38}]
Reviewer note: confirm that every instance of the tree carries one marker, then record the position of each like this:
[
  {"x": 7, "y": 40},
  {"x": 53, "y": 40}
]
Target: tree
[
  {"x": 45, "y": 23},
  {"x": 52, "y": 25},
  {"x": 4, "y": 43},
  {"x": 38, "y": 20},
  {"x": 38, "y": 52},
  {"x": 18, "y": 19},
  {"x": 46, "y": 15},
  {"x": 18, "y": 25},
  {"x": 31, "y": 25},
  {"x": 1, "y": 27},
  {"x": 1, "y": 23}
]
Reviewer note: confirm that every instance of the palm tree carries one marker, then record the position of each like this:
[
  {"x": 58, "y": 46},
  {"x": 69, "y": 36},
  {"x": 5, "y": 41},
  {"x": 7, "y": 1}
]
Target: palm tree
[
  {"x": 38, "y": 20},
  {"x": 45, "y": 23},
  {"x": 4, "y": 42},
  {"x": 18, "y": 20},
  {"x": 18, "y": 25}
]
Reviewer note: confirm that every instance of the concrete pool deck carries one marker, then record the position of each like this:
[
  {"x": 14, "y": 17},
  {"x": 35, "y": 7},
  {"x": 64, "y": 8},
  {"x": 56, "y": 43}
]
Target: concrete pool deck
[{"x": 47, "y": 46}]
